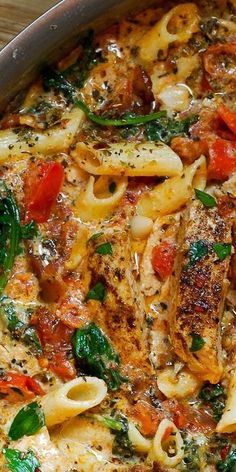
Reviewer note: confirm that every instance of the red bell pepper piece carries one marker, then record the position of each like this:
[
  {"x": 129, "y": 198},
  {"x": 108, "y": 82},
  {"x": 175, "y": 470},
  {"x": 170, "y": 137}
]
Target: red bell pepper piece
[
  {"x": 43, "y": 192},
  {"x": 222, "y": 155}
]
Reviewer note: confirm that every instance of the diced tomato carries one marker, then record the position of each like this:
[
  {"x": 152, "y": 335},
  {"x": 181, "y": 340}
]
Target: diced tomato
[
  {"x": 27, "y": 386},
  {"x": 42, "y": 186},
  {"x": 146, "y": 416},
  {"x": 167, "y": 433},
  {"x": 163, "y": 259},
  {"x": 55, "y": 338},
  {"x": 222, "y": 155},
  {"x": 214, "y": 63},
  {"x": 228, "y": 116},
  {"x": 224, "y": 452},
  {"x": 185, "y": 416}
]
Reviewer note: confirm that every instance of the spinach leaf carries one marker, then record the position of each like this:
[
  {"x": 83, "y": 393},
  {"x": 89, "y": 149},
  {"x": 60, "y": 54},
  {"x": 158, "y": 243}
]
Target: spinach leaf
[
  {"x": 122, "y": 446},
  {"x": 228, "y": 464},
  {"x": 27, "y": 422},
  {"x": 222, "y": 250},
  {"x": 214, "y": 396},
  {"x": 206, "y": 199},
  {"x": 197, "y": 342},
  {"x": 104, "y": 249},
  {"x": 97, "y": 292},
  {"x": 164, "y": 128},
  {"x": 197, "y": 251},
  {"x": 96, "y": 356},
  {"x": 18, "y": 461},
  {"x": 191, "y": 460},
  {"x": 55, "y": 80}
]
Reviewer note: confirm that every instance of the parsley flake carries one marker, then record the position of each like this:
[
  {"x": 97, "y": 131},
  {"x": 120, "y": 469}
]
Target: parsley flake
[
  {"x": 105, "y": 248},
  {"x": 197, "y": 342},
  {"x": 97, "y": 292},
  {"x": 205, "y": 198},
  {"x": 222, "y": 250},
  {"x": 196, "y": 252}
]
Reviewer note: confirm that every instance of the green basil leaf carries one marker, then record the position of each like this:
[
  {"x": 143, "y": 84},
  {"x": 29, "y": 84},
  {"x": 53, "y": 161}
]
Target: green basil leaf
[
  {"x": 228, "y": 464},
  {"x": 197, "y": 251},
  {"x": 97, "y": 292},
  {"x": 96, "y": 356},
  {"x": 27, "y": 422},
  {"x": 105, "y": 248},
  {"x": 112, "y": 187},
  {"x": 205, "y": 198},
  {"x": 18, "y": 461},
  {"x": 197, "y": 342},
  {"x": 222, "y": 250}
]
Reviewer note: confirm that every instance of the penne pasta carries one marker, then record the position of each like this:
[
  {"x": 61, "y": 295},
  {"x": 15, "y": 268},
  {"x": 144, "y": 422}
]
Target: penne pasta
[
  {"x": 128, "y": 159},
  {"x": 73, "y": 398},
  {"x": 227, "y": 423},
  {"x": 172, "y": 194},
  {"x": 138, "y": 441},
  {"x": 14, "y": 146},
  {"x": 89, "y": 206},
  {"x": 168, "y": 445},
  {"x": 185, "y": 18},
  {"x": 177, "y": 384}
]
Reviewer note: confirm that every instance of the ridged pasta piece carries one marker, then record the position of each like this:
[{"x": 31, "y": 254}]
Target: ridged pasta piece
[
  {"x": 72, "y": 398},
  {"x": 185, "y": 19},
  {"x": 129, "y": 159},
  {"x": 227, "y": 423},
  {"x": 89, "y": 206},
  {"x": 177, "y": 385},
  {"x": 139, "y": 443},
  {"x": 163, "y": 442},
  {"x": 14, "y": 146},
  {"x": 172, "y": 194}
]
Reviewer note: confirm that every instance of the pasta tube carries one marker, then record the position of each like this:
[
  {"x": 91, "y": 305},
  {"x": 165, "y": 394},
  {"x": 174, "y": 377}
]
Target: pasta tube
[
  {"x": 177, "y": 385},
  {"x": 172, "y": 194},
  {"x": 164, "y": 443},
  {"x": 184, "y": 17},
  {"x": 73, "y": 398},
  {"x": 129, "y": 159},
  {"x": 57, "y": 139},
  {"x": 227, "y": 423}
]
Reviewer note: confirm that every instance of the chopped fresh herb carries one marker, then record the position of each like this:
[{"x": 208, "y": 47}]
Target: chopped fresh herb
[
  {"x": 95, "y": 236},
  {"x": 207, "y": 199},
  {"x": 18, "y": 461},
  {"x": 228, "y": 464},
  {"x": 19, "y": 329},
  {"x": 191, "y": 460},
  {"x": 55, "y": 80},
  {"x": 115, "y": 424},
  {"x": 197, "y": 342},
  {"x": 123, "y": 121},
  {"x": 164, "y": 128},
  {"x": 27, "y": 422},
  {"x": 214, "y": 396},
  {"x": 105, "y": 248},
  {"x": 96, "y": 356},
  {"x": 112, "y": 187},
  {"x": 122, "y": 446},
  {"x": 97, "y": 292},
  {"x": 29, "y": 231},
  {"x": 197, "y": 251},
  {"x": 222, "y": 250}
]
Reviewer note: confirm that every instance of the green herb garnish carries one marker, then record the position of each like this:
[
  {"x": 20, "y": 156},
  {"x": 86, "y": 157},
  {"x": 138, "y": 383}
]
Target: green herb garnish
[
  {"x": 191, "y": 460},
  {"x": 228, "y": 464},
  {"x": 214, "y": 396},
  {"x": 55, "y": 80},
  {"x": 95, "y": 236},
  {"x": 197, "y": 342},
  {"x": 97, "y": 292},
  {"x": 96, "y": 356},
  {"x": 27, "y": 422},
  {"x": 122, "y": 446},
  {"x": 197, "y": 251},
  {"x": 165, "y": 129},
  {"x": 222, "y": 250},
  {"x": 123, "y": 121},
  {"x": 105, "y": 248},
  {"x": 205, "y": 198},
  {"x": 18, "y": 461}
]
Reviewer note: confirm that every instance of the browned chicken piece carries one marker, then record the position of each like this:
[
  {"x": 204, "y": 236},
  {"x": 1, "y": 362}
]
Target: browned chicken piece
[
  {"x": 121, "y": 315},
  {"x": 199, "y": 285}
]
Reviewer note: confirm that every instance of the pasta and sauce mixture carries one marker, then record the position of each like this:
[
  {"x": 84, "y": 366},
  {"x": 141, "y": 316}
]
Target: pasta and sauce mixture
[{"x": 117, "y": 259}]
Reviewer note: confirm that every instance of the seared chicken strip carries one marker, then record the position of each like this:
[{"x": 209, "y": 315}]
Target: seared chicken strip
[
  {"x": 199, "y": 286},
  {"x": 121, "y": 314}
]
